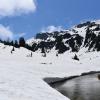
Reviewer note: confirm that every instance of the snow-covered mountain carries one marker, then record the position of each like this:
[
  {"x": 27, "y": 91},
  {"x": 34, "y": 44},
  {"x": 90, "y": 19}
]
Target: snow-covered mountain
[{"x": 85, "y": 35}]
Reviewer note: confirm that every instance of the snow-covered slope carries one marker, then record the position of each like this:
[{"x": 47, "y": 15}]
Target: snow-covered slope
[{"x": 21, "y": 76}]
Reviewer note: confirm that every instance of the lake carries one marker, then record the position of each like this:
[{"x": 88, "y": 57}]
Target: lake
[{"x": 81, "y": 88}]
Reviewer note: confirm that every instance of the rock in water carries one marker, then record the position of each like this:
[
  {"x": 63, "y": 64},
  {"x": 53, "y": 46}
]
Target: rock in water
[{"x": 98, "y": 76}]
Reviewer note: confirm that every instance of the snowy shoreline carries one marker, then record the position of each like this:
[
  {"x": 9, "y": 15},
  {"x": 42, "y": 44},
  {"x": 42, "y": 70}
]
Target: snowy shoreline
[{"x": 52, "y": 80}]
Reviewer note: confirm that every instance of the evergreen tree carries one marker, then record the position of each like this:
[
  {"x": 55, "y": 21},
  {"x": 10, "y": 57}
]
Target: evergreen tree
[
  {"x": 12, "y": 43},
  {"x": 76, "y": 57},
  {"x": 13, "y": 49},
  {"x": 16, "y": 44},
  {"x": 31, "y": 54},
  {"x": 21, "y": 42}
]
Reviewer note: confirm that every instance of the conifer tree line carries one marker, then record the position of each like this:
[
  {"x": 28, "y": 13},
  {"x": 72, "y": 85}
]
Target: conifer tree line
[
  {"x": 20, "y": 43},
  {"x": 15, "y": 43}
]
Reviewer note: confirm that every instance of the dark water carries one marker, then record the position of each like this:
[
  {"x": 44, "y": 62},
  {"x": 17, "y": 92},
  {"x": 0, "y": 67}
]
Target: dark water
[{"x": 81, "y": 88}]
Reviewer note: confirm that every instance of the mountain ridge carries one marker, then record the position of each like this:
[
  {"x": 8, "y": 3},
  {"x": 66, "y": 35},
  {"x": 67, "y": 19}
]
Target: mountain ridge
[{"x": 84, "y": 35}]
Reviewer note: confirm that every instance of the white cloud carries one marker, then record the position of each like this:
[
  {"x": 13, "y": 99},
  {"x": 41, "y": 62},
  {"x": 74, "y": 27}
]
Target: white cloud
[
  {"x": 5, "y": 33},
  {"x": 16, "y": 7},
  {"x": 52, "y": 28},
  {"x": 18, "y": 35},
  {"x": 21, "y": 34}
]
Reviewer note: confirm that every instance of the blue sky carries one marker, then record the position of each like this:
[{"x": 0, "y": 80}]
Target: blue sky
[{"x": 64, "y": 13}]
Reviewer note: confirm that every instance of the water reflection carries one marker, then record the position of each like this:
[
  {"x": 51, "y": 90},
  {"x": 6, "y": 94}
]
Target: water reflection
[{"x": 81, "y": 88}]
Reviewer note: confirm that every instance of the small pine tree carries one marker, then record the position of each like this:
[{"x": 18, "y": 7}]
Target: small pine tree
[
  {"x": 12, "y": 43},
  {"x": 16, "y": 44},
  {"x": 44, "y": 54},
  {"x": 13, "y": 49},
  {"x": 57, "y": 54},
  {"x": 31, "y": 54},
  {"x": 11, "y": 52},
  {"x": 76, "y": 57}
]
